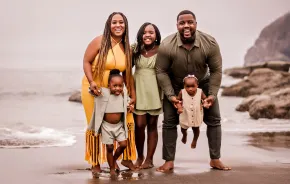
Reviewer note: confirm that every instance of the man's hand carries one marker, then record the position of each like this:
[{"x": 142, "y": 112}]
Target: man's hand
[
  {"x": 179, "y": 110},
  {"x": 208, "y": 102},
  {"x": 175, "y": 101}
]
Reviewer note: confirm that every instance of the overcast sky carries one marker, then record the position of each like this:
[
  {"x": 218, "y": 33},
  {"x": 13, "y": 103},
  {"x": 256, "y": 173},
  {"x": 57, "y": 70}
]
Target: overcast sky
[{"x": 59, "y": 30}]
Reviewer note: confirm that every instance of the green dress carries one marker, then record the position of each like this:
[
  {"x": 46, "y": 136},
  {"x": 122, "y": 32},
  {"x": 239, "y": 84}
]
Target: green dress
[{"x": 148, "y": 94}]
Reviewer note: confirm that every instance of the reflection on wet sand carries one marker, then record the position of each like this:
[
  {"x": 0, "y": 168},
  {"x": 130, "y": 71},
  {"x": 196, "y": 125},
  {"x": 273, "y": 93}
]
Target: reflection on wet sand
[
  {"x": 127, "y": 175},
  {"x": 270, "y": 140},
  {"x": 183, "y": 167}
]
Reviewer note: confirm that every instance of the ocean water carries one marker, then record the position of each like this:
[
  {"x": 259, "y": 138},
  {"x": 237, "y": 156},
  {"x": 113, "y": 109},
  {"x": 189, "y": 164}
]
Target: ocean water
[
  {"x": 42, "y": 45},
  {"x": 35, "y": 111}
]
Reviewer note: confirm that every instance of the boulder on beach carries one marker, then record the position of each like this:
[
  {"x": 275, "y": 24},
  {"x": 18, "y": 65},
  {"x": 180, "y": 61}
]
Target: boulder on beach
[
  {"x": 260, "y": 81},
  {"x": 241, "y": 72},
  {"x": 267, "y": 92},
  {"x": 237, "y": 72},
  {"x": 272, "y": 105},
  {"x": 75, "y": 97}
]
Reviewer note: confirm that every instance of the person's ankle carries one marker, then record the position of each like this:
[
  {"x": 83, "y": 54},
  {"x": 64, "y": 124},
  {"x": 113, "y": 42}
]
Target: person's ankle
[
  {"x": 215, "y": 159},
  {"x": 141, "y": 157},
  {"x": 113, "y": 171},
  {"x": 148, "y": 160},
  {"x": 96, "y": 168}
]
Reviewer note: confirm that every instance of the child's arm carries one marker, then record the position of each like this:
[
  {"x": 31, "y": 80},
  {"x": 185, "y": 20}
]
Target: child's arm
[
  {"x": 179, "y": 105},
  {"x": 203, "y": 96}
]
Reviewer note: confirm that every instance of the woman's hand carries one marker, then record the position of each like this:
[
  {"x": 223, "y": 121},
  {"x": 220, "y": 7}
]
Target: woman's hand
[
  {"x": 132, "y": 101},
  {"x": 95, "y": 89},
  {"x": 130, "y": 108}
]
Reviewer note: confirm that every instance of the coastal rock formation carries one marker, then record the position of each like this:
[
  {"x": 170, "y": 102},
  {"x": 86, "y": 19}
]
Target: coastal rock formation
[
  {"x": 241, "y": 72},
  {"x": 267, "y": 92},
  {"x": 237, "y": 72},
  {"x": 273, "y": 105},
  {"x": 260, "y": 81},
  {"x": 75, "y": 97},
  {"x": 273, "y": 43}
]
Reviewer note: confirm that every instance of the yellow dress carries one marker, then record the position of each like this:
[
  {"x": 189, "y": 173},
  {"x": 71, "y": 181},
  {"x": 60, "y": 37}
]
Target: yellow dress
[{"x": 95, "y": 150}]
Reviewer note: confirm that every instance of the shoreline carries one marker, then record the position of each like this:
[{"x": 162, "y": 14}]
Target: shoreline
[{"x": 66, "y": 164}]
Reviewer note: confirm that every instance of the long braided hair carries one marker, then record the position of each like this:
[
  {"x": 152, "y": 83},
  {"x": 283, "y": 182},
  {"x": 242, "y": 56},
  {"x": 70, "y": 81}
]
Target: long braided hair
[
  {"x": 140, "y": 44},
  {"x": 106, "y": 46}
]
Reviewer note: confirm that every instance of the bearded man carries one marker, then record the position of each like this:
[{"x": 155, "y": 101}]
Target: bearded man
[{"x": 185, "y": 52}]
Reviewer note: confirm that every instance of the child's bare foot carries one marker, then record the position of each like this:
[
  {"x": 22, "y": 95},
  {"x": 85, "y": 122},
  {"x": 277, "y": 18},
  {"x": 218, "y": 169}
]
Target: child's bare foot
[
  {"x": 184, "y": 137},
  {"x": 117, "y": 168},
  {"x": 193, "y": 144},
  {"x": 96, "y": 170},
  {"x": 139, "y": 162},
  {"x": 113, "y": 173},
  {"x": 148, "y": 164}
]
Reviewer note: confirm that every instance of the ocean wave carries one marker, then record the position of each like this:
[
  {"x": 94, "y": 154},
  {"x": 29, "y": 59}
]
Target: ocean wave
[
  {"x": 245, "y": 124},
  {"x": 24, "y": 136},
  {"x": 64, "y": 93},
  {"x": 34, "y": 93},
  {"x": 22, "y": 93}
]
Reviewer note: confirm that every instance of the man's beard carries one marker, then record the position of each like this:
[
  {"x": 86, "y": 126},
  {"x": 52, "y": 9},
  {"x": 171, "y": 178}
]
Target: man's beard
[{"x": 188, "y": 40}]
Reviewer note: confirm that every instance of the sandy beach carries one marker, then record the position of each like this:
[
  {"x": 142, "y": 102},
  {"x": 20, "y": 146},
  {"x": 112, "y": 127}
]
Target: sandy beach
[
  {"x": 58, "y": 135},
  {"x": 59, "y": 165}
]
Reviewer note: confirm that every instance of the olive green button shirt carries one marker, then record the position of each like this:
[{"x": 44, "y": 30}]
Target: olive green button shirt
[{"x": 174, "y": 62}]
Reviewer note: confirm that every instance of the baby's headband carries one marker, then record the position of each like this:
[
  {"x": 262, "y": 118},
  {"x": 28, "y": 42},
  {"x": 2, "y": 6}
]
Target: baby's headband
[{"x": 190, "y": 76}]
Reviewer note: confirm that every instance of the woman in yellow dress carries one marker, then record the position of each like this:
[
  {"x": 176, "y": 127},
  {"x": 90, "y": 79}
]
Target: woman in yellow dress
[{"x": 106, "y": 52}]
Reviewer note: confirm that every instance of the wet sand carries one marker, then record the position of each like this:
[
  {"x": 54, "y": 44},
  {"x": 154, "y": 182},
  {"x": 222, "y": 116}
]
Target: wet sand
[
  {"x": 270, "y": 140},
  {"x": 59, "y": 165}
]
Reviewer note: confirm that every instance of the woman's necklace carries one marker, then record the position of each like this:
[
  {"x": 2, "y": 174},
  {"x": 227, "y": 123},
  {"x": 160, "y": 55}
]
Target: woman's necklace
[{"x": 146, "y": 51}]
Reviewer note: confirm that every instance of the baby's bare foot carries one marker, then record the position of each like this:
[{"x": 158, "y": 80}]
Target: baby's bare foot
[{"x": 193, "y": 144}]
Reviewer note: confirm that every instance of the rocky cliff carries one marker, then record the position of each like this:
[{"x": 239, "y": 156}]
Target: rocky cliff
[{"x": 273, "y": 43}]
